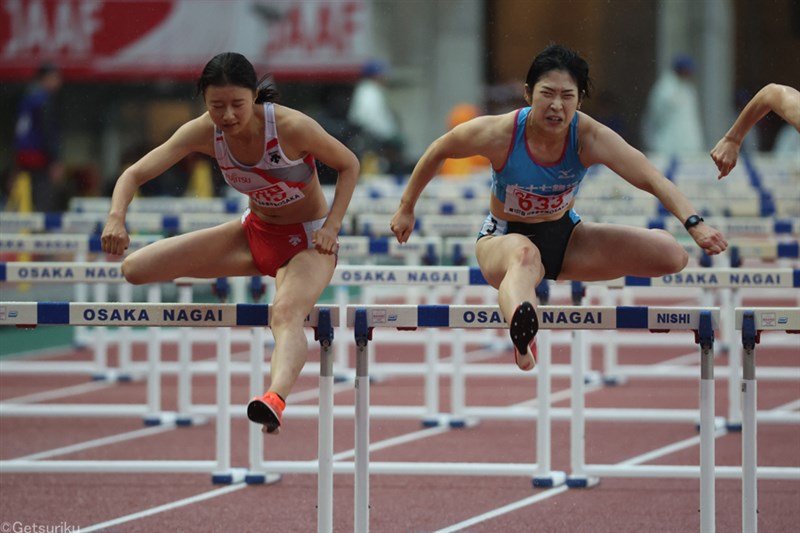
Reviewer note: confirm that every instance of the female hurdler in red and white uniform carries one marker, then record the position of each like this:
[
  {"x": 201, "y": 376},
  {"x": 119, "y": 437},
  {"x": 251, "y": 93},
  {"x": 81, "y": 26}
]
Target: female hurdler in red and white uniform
[
  {"x": 539, "y": 156},
  {"x": 266, "y": 151}
]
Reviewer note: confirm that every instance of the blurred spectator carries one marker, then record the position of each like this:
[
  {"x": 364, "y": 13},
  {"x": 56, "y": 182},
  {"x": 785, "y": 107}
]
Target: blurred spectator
[
  {"x": 672, "y": 117},
  {"x": 371, "y": 113},
  {"x": 466, "y": 166},
  {"x": 335, "y": 102},
  {"x": 37, "y": 138},
  {"x": 787, "y": 143}
]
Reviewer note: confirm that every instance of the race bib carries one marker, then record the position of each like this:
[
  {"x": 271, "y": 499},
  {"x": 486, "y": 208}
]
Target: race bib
[
  {"x": 525, "y": 203},
  {"x": 276, "y": 195}
]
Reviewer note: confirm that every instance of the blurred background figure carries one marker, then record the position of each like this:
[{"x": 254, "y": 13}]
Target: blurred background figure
[
  {"x": 467, "y": 166},
  {"x": 787, "y": 142},
  {"x": 335, "y": 105},
  {"x": 672, "y": 116},
  {"x": 37, "y": 144},
  {"x": 371, "y": 113}
]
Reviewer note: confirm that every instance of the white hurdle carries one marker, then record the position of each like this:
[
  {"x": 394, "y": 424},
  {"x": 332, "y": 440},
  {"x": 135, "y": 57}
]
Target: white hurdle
[
  {"x": 703, "y": 321},
  {"x": 220, "y": 316},
  {"x": 152, "y": 315},
  {"x": 752, "y": 323},
  {"x": 729, "y": 282}
]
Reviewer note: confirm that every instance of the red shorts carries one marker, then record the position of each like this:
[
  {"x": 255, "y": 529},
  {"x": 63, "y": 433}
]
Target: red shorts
[{"x": 272, "y": 245}]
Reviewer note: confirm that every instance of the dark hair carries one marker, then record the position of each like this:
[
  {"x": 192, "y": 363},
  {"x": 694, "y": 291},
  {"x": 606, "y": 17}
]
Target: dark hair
[
  {"x": 558, "y": 57},
  {"x": 230, "y": 68},
  {"x": 46, "y": 68}
]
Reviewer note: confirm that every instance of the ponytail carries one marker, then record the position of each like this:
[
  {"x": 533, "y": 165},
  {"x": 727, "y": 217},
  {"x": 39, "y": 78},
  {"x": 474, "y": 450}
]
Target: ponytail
[{"x": 266, "y": 91}]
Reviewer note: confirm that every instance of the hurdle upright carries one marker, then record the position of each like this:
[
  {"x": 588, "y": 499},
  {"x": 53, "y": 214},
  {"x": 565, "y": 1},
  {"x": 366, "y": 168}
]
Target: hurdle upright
[
  {"x": 752, "y": 322},
  {"x": 700, "y": 320}
]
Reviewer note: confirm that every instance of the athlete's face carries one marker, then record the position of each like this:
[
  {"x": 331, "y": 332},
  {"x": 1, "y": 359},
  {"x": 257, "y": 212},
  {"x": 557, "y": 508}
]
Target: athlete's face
[
  {"x": 553, "y": 100},
  {"x": 230, "y": 106}
]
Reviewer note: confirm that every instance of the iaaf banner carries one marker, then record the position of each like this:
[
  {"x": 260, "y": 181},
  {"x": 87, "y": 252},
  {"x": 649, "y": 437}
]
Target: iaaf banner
[{"x": 141, "y": 39}]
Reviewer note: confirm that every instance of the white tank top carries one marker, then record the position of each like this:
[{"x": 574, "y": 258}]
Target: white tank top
[{"x": 275, "y": 181}]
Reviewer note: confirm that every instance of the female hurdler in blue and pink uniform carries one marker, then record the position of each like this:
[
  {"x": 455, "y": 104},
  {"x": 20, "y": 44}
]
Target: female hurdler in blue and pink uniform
[
  {"x": 267, "y": 152},
  {"x": 539, "y": 156}
]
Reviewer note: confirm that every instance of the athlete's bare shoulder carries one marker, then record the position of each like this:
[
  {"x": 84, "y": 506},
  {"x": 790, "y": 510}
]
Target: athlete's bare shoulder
[
  {"x": 197, "y": 135},
  {"x": 288, "y": 119},
  {"x": 489, "y": 135}
]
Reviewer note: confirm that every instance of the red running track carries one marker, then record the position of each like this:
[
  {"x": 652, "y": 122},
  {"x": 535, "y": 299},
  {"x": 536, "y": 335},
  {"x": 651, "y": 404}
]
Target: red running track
[{"x": 408, "y": 504}]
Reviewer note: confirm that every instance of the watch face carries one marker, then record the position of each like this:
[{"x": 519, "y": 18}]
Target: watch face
[{"x": 692, "y": 221}]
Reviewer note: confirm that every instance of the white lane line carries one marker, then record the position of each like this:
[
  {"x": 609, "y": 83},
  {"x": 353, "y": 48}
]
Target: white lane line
[
  {"x": 396, "y": 441},
  {"x": 96, "y": 443},
  {"x": 666, "y": 450},
  {"x": 669, "y": 449},
  {"x": 313, "y": 394},
  {"x": 655, "y": 454},
  {"x": 505, "y": 509},
  {"x": 166, "y": 507},
  {"x": 791, "y": 406},
  {"x": 59, "y": 393}
]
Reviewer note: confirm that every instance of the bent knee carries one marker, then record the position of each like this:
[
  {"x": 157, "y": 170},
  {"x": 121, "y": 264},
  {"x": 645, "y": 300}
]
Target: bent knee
[
  {"x": 133, "y": 272},
  {"x": 282, "y": 313},
  {"x": 673, "y": 257},
  {"x": 525, "y": 253}
]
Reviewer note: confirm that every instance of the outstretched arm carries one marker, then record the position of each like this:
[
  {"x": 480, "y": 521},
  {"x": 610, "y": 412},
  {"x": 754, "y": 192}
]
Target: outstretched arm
[
  {"x": 782, "y": 99},
  {"x": 187, "y": 139},
  {"x": 479, "y": 136},
  {"x": 601, "y": 145}
]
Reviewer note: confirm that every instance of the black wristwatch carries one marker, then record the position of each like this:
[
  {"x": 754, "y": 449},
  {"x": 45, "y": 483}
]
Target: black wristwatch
[{"x": 692, "y": 221}]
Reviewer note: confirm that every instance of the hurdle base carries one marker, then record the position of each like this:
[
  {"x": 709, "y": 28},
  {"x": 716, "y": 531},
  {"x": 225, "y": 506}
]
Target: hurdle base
[
  {"x": 261, "y": 478},
  {"x": 733, "y": 427},
  {"x": 613, "y": 381},
  {"x": 462, "y": 423},
  {"x": 190, "y": 420},
  {"x": 551, "y": 479},
  {"x": 719, "y": 423},
  {"x": 160, "y": 419},
  {"x": 229, "y": 477},
  {"x": 593, "y": 378},
  {"x": 113, "y": 376},
  {"x": 582, "y": 482},
  {"x": 434, "y": 422}
]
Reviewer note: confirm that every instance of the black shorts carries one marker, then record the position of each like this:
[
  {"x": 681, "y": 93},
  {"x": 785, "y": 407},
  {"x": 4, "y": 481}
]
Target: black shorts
[{"x": 551, "y": 238}]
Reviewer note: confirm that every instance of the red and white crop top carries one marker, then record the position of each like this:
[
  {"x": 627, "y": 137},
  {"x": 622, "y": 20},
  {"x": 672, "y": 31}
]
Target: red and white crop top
[{"x": 275, "y": 181}]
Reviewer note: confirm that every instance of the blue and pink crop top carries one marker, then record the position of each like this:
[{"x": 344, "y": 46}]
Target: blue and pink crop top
[
  {"x": 529, "y": 188},
  {"x": 275, "y": 181}
]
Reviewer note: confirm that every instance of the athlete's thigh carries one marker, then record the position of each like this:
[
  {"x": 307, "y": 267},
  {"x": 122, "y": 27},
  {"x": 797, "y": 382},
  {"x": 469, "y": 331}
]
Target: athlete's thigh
[
  {"x": 495, "y": 254},
  {"x": 607, "y": 251},
  {"x": 207, "y": 253},
  {"x": 302, "y": 279}
]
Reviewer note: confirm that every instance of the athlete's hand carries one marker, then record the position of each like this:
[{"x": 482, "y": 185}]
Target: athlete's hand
[
  {"x": 708, "y": 238},
  {"x": 115, "y": 239},
  {"x": 325, "y": 240},
  {"x": 402, "y": 224},
  {"x": 725, "y": 154}
]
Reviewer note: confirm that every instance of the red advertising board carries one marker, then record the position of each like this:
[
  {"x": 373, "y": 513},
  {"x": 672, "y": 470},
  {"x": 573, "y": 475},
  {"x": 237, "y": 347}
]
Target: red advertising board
[{"x": 147, "y": 39}]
